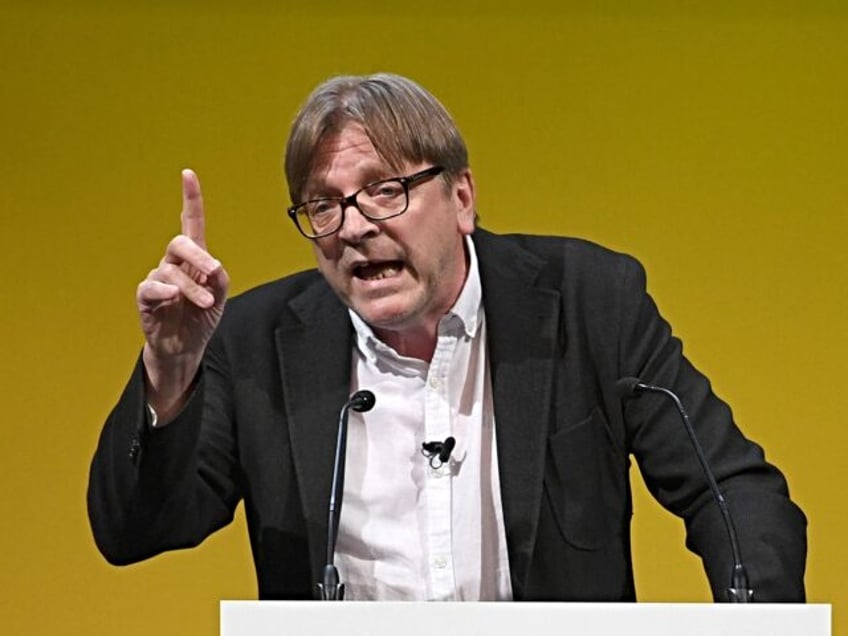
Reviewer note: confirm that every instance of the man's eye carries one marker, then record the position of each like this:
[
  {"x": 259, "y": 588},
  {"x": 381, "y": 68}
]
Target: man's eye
[
  {"x": 321, "y": 207},
  {"x": 386, "y": 190}
]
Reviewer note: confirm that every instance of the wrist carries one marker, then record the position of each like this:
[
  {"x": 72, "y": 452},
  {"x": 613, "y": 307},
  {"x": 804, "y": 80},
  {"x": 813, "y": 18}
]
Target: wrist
[{"x": 168, "y": 382}]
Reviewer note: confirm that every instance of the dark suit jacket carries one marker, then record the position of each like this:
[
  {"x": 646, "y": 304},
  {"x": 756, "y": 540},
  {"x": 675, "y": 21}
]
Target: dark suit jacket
[{"x": 566, "y": 319}]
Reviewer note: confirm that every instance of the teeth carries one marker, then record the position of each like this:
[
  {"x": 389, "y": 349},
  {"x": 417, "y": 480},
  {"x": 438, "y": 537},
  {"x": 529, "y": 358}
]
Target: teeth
[
  {"x": 377, "y": 271},
  {"x": 384, "y": 273}
]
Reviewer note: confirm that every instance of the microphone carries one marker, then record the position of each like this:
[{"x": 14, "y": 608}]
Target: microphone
[
  {"x": 738, "y": 592},
  {"x": 329, "y": 588},
  {"x": 440, "y": 451}
]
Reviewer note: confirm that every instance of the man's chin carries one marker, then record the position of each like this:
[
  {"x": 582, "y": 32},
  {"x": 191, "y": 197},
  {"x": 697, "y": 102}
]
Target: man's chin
[
  {"x": 383, "y": 313},
  {"x": 392, "y": 320}
]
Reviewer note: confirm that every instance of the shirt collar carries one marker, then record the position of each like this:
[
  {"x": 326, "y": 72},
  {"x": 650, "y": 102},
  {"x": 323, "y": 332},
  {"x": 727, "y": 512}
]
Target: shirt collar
[{"x": 468, "y": 309}]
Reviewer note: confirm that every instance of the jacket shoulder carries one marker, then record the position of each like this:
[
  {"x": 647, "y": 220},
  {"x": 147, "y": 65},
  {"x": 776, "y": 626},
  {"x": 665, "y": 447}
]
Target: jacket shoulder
[{"x": 558, "y": 258}]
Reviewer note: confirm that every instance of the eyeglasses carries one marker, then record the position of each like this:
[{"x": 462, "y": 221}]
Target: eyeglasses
[{"x": 376, "y": 201}]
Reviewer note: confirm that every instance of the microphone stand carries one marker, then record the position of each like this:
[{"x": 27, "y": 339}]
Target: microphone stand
[
  {"x": 330, "y": 588},
  {"x": 739, "y": 590}
]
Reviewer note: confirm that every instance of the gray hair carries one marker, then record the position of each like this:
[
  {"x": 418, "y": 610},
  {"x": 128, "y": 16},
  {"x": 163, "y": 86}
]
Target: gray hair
[{"x": 404, "y": 122}]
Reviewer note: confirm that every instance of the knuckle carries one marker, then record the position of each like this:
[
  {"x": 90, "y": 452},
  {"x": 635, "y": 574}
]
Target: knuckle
[
  {"x": 177, "y": 242},
  {"x": 164, "y": 272},
  {"x": 144, "y": 291}
]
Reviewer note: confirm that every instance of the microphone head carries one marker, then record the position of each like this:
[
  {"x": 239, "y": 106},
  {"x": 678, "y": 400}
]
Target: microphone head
[
  {"x": 447, "y": 449},
  {"x": 362, "y": 401},
  {"x": 627, "y": 387}
]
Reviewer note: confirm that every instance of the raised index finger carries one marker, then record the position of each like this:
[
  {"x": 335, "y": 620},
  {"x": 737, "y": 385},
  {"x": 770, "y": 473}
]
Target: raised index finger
[{"x": 193, "y": 221}]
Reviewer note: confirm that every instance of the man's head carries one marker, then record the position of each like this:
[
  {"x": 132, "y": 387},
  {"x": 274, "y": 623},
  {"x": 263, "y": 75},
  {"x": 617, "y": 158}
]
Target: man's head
[
  {"x": 400, "y": 274},
  {"x": 405, "y": 123}
]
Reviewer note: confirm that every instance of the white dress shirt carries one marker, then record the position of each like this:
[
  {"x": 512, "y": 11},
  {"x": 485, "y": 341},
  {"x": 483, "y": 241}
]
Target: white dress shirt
[{"x": 408, "y": 531}]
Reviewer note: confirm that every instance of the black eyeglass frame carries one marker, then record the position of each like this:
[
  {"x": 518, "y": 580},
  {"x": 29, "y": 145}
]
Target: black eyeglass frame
[{"x": 350, "y": 200}]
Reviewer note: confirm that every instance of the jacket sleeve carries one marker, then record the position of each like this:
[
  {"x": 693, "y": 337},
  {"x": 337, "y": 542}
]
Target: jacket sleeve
[
  {"x": 771, "y": 528},
  {"x": 156, "y": 489}
]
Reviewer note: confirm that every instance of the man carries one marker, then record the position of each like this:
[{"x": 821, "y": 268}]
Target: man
[{"x": 512, "y": 345}]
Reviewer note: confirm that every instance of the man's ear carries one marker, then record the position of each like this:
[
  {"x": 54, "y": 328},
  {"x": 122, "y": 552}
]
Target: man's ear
[{"x": 466, "y": 201}]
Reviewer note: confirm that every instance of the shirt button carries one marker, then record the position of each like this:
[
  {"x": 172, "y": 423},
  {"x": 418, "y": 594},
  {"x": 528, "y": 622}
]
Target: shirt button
[
  {"x": 435, "y": 383},
  {"x": 440, "y": 562}
]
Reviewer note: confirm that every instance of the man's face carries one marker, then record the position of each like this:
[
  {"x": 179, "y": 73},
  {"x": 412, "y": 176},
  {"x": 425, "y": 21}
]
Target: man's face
[{"x": 400, "y": 275}]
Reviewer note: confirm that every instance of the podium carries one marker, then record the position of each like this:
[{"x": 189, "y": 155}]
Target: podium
[{"x": 294, "y": 618}]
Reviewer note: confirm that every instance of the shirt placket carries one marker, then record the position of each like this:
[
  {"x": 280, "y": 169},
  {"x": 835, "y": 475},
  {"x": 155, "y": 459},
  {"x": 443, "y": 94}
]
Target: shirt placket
[{"x": 438, "y": 427}]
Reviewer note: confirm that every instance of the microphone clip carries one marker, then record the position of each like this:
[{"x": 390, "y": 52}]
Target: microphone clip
[{"x": 438, "y": 453}]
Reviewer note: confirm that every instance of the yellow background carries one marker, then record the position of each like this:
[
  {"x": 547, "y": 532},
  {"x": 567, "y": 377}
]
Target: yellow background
[{"x": 708, "y": 139}]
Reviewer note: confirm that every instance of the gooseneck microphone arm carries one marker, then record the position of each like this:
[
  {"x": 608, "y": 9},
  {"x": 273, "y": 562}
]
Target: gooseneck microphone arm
[
  {"x": 738, "y": 592},
  {"x": 330, "y": 588}
]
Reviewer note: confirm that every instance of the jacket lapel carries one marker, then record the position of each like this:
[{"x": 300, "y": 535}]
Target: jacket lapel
[
  {"x": 314, "y": 358},
  {"x": 523, "y": 326}
]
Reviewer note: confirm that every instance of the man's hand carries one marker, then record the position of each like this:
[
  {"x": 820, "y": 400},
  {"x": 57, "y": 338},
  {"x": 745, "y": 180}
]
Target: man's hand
[{"x": 180, "y": 304}]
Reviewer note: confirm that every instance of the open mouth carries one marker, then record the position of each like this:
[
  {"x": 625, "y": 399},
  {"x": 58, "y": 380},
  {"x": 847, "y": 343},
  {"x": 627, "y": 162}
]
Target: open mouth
[{"x": 377, "y": 271}]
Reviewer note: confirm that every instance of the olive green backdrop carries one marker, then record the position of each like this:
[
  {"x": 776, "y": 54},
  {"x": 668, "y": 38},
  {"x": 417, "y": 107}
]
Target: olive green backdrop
[{"x": 709, "y": 139}]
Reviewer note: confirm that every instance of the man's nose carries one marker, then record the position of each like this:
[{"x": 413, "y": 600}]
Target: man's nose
[{"x": 355, "y": 225}]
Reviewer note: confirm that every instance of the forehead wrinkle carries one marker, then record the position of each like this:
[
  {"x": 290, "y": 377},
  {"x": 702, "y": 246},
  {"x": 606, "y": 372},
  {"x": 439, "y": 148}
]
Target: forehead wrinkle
[{"x": 369, "y": 167}]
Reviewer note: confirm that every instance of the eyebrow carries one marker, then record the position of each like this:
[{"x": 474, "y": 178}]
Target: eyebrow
[{"x": 370, "y": 174}]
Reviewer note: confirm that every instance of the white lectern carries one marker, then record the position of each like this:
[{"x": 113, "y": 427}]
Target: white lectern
[{"x": 267, "y": 618}]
